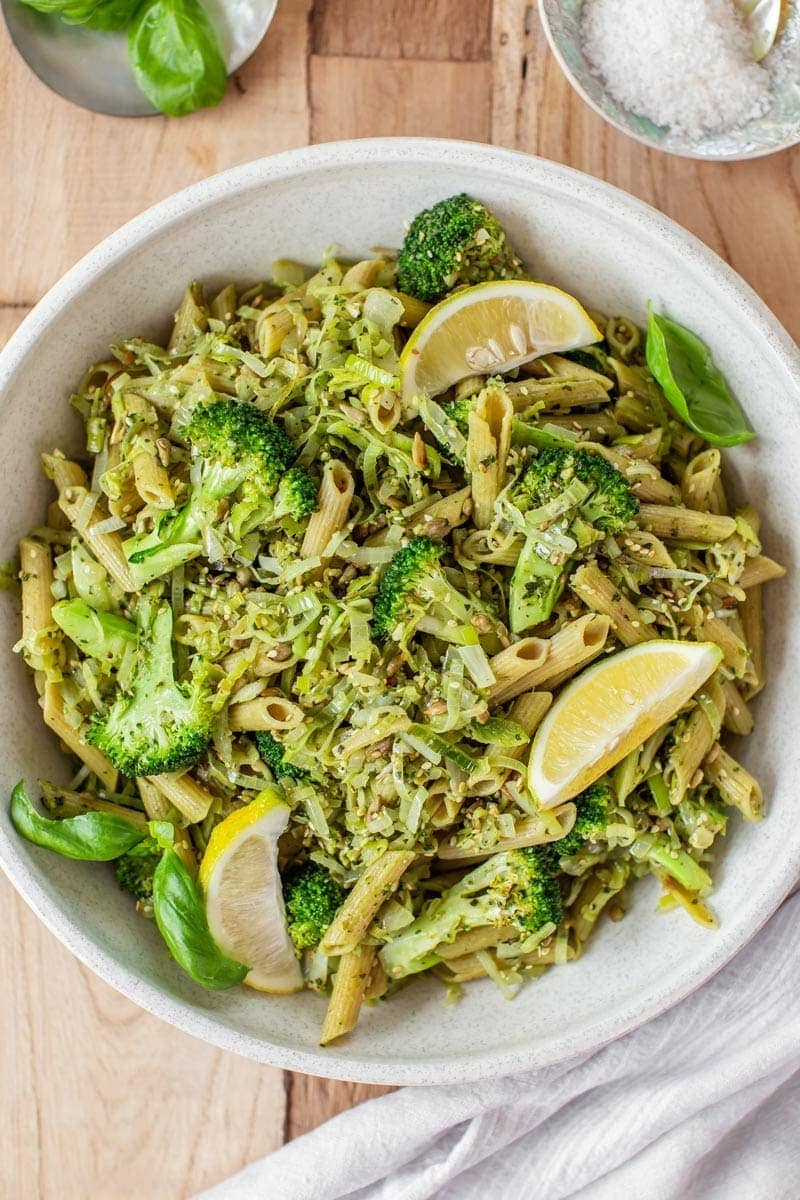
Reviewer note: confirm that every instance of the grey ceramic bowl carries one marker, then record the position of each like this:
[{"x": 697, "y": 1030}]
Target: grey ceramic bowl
[
  {"x": 615, "y": 253},
  {"x": 778, "y": 129}
]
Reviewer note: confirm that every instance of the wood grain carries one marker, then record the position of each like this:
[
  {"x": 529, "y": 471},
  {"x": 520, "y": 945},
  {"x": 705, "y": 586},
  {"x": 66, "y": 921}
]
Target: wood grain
[
  {"x": 447, "y": 29},
  {"x": 99, "y": 1099},
  {"x": 367, "y": 97}
]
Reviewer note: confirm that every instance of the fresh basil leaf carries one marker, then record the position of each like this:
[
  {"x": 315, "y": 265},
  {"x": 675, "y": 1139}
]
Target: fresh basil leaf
[
  {"x": 175, "y": 57},
  {"x": 96, "y": 14},
  {"x": 695, "y": 387},
  {"x": 113, "y": 14},
  {"x": 89, "y": 837},
  {"x": 181, "y": 918}
]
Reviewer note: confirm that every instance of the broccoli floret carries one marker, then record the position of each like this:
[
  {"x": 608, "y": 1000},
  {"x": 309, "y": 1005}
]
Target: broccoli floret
[
  {"x": 239, "y": 457},
  {"x": 102, "y": 635},
  {"x": 311, "y": 896},
  {"x": 608, "y": 503},
  {"x": 414, "y": 592},
  {"x": 594, "y": 810},
  {"x": 456, "y": 241},
  {"x": 274, "y": 755},
  {"x": 458, "y": 411},
  {"x": 135, "y": 870},
  {"x": 157, "y": 724},
  {"x": 510, "y": 889},
  {"x": 566, "y": 497},
  {"x": 296, "y": 496}
]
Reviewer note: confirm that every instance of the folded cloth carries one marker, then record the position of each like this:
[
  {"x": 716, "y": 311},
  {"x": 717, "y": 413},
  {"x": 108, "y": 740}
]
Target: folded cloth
[{"x": 703, "y": 1103}]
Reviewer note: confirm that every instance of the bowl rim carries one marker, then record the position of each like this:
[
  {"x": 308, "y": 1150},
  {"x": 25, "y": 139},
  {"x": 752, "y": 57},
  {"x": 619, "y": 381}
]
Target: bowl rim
[
  {"x": 344, "y": 1063},
  {"x": 577, "y": 86}
]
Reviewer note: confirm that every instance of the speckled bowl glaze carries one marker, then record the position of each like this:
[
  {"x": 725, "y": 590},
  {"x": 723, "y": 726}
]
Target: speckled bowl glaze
[
  {"x": 776, "y": 130},
  {"x": 615, "y": 253}
]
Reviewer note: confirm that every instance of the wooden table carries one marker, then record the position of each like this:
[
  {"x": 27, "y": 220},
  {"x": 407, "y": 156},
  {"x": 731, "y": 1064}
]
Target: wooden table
[{"x": 99, "y": 1099}]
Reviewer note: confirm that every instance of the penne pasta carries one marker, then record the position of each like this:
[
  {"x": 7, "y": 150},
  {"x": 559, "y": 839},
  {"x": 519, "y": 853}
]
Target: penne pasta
[
  {"x": 699, "y": 485},
  {"x": 598, "y": 593},
  {"x": 335, "y": 495},
  {"x": 98, "y": 764},
  {"x": 183, "y": 793},
  {"x": 752, "y": 624},
  {"x": 760, "y": 569},
  {"x": 735, "y": 785},
  {"x": 488, "y": 444},
  {"x": 347, "y": 994},
  {"x": 372, "y": 888},
  {"x": 685, "y": 524},
  {"x": 191, "y": 319},
  {"x": 266, "y": 712},
  {"x": 36, "y": 578},
  {"x": 530, "y": 831}
]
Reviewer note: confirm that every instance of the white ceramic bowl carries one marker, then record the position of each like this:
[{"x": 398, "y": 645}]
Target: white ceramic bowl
[{"x": 615, "y": 253}]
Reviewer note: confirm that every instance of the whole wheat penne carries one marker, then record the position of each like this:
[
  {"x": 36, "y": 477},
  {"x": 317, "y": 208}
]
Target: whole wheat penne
[
  {"x": 530, "y": 831},
  {"x": 373, "y": 886},
  {"x": 335, "y": 495},
  {"x": 598, "y": 592},
  {"x": 700, "y": 480},
  {"x": 158, "y": 808},
  {"x": 347, "y": 994},
  {"x": 752, "y": 624},
  {"x": 98, "y": 764},
  {"x": 685, "y": 524},
  {"x": 735, "y": 785},
  {"x": 36, "y": 578},
  {"x": 265, "y": 712},
  {"x": 487, "y": 451},
  {"x": 184, "y": 793},
  {"x": 760, "y": 569}
]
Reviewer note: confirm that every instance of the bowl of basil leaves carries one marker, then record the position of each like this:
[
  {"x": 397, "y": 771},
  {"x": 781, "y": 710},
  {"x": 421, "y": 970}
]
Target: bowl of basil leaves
[{"x": 137, "y": 57}]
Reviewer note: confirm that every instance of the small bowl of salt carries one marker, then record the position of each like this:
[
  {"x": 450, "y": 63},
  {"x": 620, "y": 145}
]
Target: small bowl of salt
[{"x": 711, "y": 79}]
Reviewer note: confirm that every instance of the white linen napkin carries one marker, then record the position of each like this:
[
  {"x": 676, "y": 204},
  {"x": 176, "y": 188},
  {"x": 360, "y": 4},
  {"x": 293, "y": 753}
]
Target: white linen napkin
[{"x": 702, "y": 1103}]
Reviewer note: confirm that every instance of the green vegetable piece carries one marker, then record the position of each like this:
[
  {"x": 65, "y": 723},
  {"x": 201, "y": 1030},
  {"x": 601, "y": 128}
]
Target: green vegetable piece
[
  {"x": 95, "y": 14},
  {"x": 175, "y": 57},
  {"x": 692, "y": 384},
  {"x": 90, "y": 837},
  {"x": 513, "y": 888},
  {"x": 181, "y": 919},
  {"x": 456, "y": 241},
  {"x": 312, "y": 897},
  {"x": 274, "y": 755},
  {"x": 135, "y": 870},
  {"x": 101, "y": 635},
  {"x": 158, "y": 724}
]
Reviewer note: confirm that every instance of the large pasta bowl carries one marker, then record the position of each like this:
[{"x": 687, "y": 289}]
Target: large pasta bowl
[{"x": 613, "y": 252}]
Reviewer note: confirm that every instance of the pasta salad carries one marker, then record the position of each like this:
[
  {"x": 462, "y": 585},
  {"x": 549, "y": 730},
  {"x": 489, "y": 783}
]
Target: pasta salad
[{"x": 395, "y": 615}]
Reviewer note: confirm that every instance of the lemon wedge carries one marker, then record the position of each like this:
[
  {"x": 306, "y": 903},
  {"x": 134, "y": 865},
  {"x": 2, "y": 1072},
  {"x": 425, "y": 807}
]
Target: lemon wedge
[
  {"x": 489, "y": 329},
  {"x": 610, "y": 709},
  {"x": 244, "y": 901}
]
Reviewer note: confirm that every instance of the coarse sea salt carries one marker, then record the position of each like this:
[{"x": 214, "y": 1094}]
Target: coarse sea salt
[{"x": 683, "y": 63}]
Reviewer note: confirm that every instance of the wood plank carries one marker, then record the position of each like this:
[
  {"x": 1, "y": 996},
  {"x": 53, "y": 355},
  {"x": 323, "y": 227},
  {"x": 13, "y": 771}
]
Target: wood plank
[
  {"x": 10, "y": 317},
  {"x": 312, "y": 1101},
  {"x": 363, "y": 97},
  {"x": 452, "y": 30},
  {"x": 101, "y": 1099},
  {"x": 749, "y": 212},
  {"x": 101, "y": 171}
]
